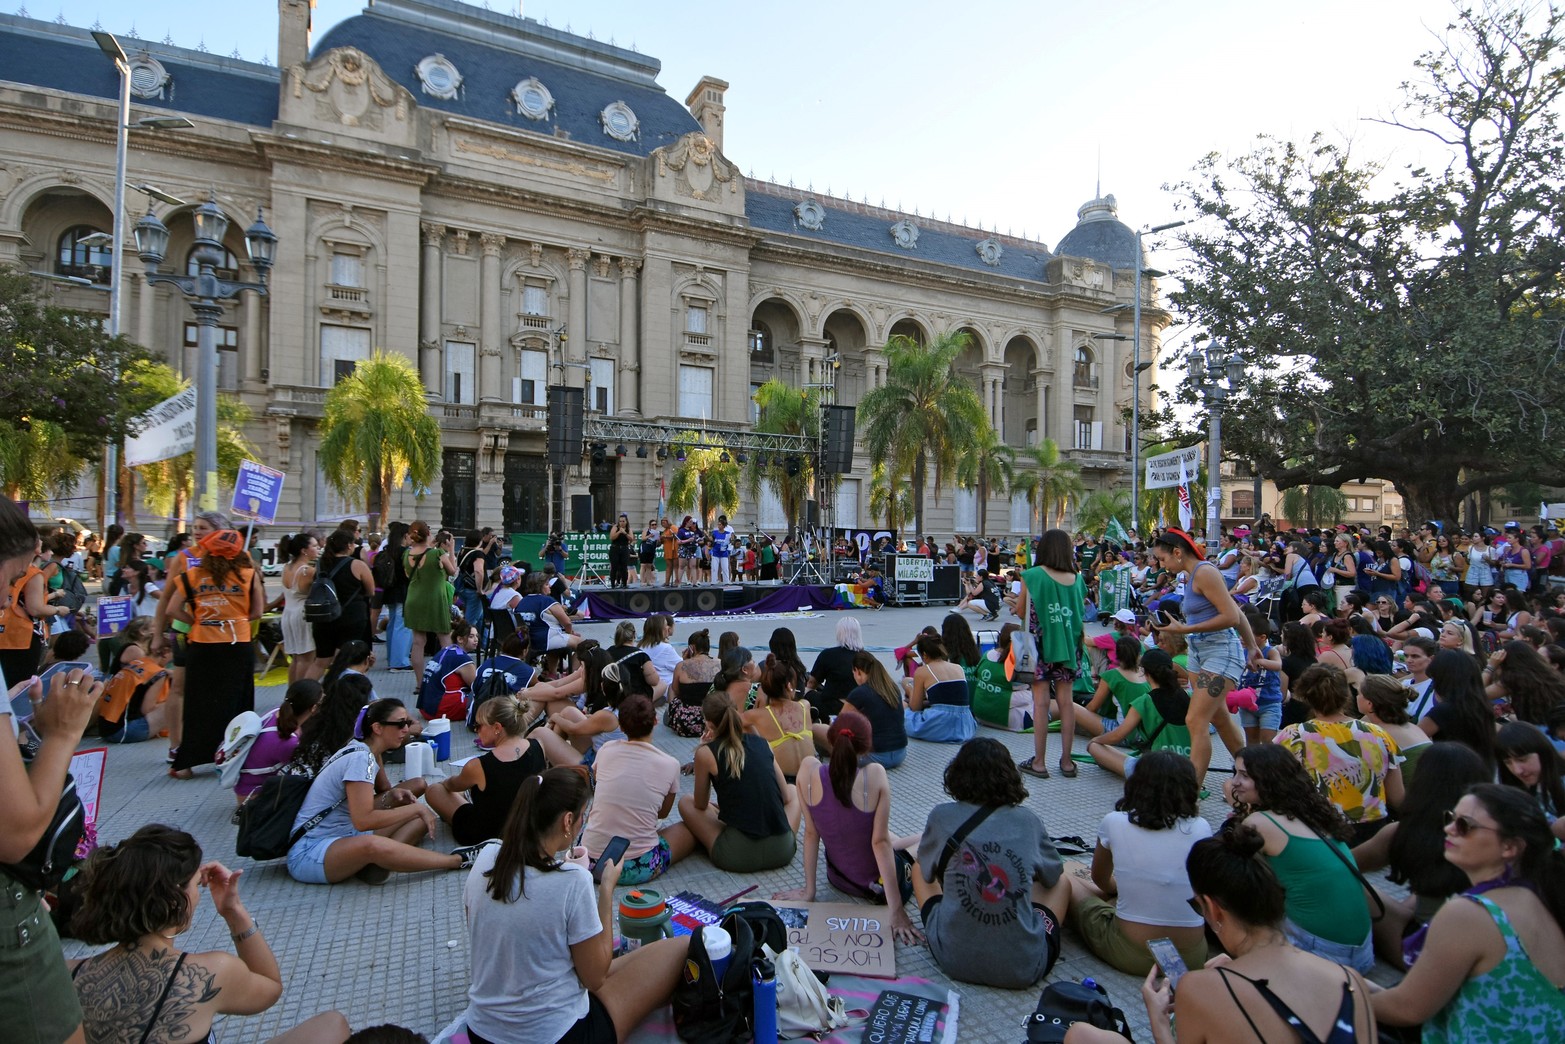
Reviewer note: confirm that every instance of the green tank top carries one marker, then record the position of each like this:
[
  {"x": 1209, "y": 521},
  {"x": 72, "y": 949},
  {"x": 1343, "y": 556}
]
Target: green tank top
[
  {"x": 1057, "y": 609},
  {"x": 1123, "y": 690},
  {"x": 1511, "y": 1001},
  {"x": 1324, "y": 897}
]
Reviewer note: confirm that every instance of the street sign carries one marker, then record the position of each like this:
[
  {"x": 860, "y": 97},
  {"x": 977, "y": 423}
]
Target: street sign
[
  {"x": 1173, "y": 469},
  {"x": 257, "y": 491}
]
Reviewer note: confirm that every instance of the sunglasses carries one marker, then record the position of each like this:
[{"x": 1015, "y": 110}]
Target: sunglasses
[
  {"x": 1464, "y": 825},
  {"x": 405, "y": 723},
  {"x": 1195, "y": 904}
]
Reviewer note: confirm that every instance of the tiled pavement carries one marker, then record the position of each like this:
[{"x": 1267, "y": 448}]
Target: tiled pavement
[{"x": 398, "y": 952}]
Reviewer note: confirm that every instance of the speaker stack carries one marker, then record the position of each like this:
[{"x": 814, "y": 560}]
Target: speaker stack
[
  {"x": 565, "y": 428},
  {"x": 673, "y": 599},
  {"x": 838, "y": 431}
]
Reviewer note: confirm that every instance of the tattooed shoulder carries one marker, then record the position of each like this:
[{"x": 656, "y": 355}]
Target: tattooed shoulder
[{"x": 119, "y": 993}]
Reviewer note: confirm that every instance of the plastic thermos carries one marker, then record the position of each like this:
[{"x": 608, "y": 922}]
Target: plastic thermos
[
  {"x": 643, "y": 917},
  {"x": 764, "y": 1020},
  {"x": 438, "y": 734},
  {"x": 719, "y": 947}
]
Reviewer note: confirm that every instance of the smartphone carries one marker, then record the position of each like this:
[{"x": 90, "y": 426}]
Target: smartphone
[
  {"x": 47, "y": 677},
  {"x": 1166, "y": 954},
  {"x": 1163, "y": 619},
  {"x": 613, "y": 852}
]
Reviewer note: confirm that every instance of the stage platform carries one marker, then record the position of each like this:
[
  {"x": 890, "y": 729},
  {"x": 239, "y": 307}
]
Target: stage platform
[{"x": 601, "y": 602}]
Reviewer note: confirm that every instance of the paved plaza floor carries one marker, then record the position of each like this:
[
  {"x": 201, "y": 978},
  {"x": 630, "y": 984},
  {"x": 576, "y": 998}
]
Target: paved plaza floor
[{"x": 398, "y": 952}]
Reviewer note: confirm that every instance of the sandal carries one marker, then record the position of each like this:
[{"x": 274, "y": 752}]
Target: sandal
[
  {"x": 1068, "y": 769},
  {"x": 1026, "y": 765}
]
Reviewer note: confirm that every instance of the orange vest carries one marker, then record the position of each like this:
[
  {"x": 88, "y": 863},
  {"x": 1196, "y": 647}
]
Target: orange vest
[
  {"x": 132, "y": 679},
  {"x": 17, "y": 628},
  {"x": 222, "y": 613}
]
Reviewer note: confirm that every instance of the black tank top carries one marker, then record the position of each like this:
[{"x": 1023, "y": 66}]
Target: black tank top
[
  {"x": 502, "y": 780},
  {"x": 750, "y": 802}
]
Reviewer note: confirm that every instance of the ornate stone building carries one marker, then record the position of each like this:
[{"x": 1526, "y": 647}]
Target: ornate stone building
[{"x": 512, "y": 206}]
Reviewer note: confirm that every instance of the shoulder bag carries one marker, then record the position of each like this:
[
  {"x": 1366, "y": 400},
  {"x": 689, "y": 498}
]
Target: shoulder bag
[
  {"x": 266, "y": 818},
  {"x": 954, "y": 842}
]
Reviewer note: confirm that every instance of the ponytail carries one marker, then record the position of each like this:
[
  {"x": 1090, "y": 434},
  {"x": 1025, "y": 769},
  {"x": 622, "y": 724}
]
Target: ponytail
[
  {"x": 301, "y": 696},
  {"x": 850, "y": 739},
  {"x": 879, "y": 678},
  {"x": 727, "y": 730},
  {"x": 540, "y": 801}
]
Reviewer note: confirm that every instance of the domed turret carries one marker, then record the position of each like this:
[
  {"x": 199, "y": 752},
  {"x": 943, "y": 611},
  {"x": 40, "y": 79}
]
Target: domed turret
[{"x": 1100, "y": 235}]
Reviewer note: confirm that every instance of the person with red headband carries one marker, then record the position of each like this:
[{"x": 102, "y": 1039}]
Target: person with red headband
[
  {"x": 847, "y": 806},
  {"x": 1219, "y": 640}
]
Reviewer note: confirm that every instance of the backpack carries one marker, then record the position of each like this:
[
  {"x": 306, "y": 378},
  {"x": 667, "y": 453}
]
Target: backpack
[
  {"x": 72, "y": 593},
  {"x": 1420, "y": 578},
  {"x": 238, "y": 738},
  {"x": 707, "y": 1011},
  {"x": 384, "y": 568},
  {"x": 466, "y": 573},
  {"x": 322, "y": 605},
  {"x": 1063, "y": 1004}
]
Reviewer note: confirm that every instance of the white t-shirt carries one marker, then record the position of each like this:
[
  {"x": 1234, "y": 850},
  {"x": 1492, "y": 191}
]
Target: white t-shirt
[
  {"x": 1421, "y": 697},
  {"x": 524, "y": 986},
  {"x": 1149, "y": 868},
  {"x": 633, "y": 779},
  {"x": 355, "y": 763},
  {"x": 665, "y": 658}
]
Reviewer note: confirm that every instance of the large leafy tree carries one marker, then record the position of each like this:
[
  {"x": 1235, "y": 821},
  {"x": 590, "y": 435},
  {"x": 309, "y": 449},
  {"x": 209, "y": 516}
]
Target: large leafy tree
[
  {"x": 1411, "y": 333},
  {"x": 1313, "y": 505},
  {"x": 703, "y": 482},
  {"x": 784, "y": 410},
  {"x": 924, "y": 415},
  {"x": 377, "y": 432},
  {"x": 1048, "y": 481},
  {"x": 987, "y": 465}
]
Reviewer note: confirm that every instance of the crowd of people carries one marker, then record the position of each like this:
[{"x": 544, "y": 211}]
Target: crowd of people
[{"x": 1384, "y": 710}]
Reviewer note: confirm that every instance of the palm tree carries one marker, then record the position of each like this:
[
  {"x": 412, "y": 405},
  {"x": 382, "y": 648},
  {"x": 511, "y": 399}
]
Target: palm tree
[
  {"x": 785, "y": 410},
  {"x": 924, "y": 413},
  {"x": 1097, "y": 507},
  {"x": 987, "y": 465},
  {"x": 377, "y": 432},
  {"x": 1048, "y": 481},
  {"x": 892, "y": 501},
  {"x": 703, "y": 482},
  {"x": 1314, "y": 505},
  {"x": 36, "y": 459}
]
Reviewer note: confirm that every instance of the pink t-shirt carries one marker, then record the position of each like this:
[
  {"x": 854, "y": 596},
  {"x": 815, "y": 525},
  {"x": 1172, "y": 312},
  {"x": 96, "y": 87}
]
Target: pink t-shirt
[
  {"x": 633, "y": 779},
  {"x": 267, "y": 754}
]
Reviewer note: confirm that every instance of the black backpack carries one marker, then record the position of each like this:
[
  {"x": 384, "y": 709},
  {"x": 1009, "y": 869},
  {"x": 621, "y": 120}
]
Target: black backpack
[
  {"x": 1064, "y": 1004},
  {"x": 321, "y": 605},
  {"x": 710, "y": 1012},
  {"x": 73, "y": 593},
  {"x": 384, "y": 568}
]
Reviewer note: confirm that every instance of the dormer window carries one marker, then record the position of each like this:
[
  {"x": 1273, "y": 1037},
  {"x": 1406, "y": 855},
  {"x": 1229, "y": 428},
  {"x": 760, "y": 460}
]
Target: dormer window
[
  {"x": 619, "y": 122},
  {"x": 532, "y": 99},
  {"x": 148, "y": 78},
  {"x": 439, "y": 77}
]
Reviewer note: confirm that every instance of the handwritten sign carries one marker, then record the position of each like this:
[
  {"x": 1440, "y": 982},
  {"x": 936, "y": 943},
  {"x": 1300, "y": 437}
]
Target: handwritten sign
[
  {"x": 842, "y": 937},
  {"x": 904, "y": 1018},
  {"x": 115, "y": 614},
  {"x": 915, "y": 569},
  {"x": 87, "y": 769},
  {"x": 1173, "y": 469},
  {"x": 257, "y": 490}
]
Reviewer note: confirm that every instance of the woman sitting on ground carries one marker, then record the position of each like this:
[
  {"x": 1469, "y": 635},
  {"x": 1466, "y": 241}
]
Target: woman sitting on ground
[
  {"x": 1155, "y": 720},
  {"x": 996, "y": 699},
  {"x": 140, "y": 895},
  {"x": 692, "y": 681},
  {"x": 1493, "y": 965},
  {"x": 1461, "y": 712},
  {"x": 133, "y": 706},
  {"x": 1305, "y": 840},
  {"x": 506, "y": 673},
  {"x": 587, "y": 731},
  {"x": 1353, "y": 763},
  {"x": 848, "y": 809},
  {"x": 477, "y": 800},
  {"x": 782, "y": 720},
  {"x": 1412, "y": 850},
  {"x": 1518, "y": 675},
  {"x": 752, "y": 825},
  {"x": 1277, "y": 991},
  {"x": 738, "y": 677},
  {"x": 447, "y": 686},
  {"x": 357, "y": 828},
  {"x": 831, "y": 677},
  {"x": 1139, "y": 863},
  {"x": 938, "y": 710},
  {"x": 1529, "y": 762},
  {"x": 655, "y": 635},
  {"x": 281, "y": 730},
  {"x": 1382, "y": 702},
  {"x": 353, "y": 657},
  {"x": 637, "y": 785},
  {"x": 541, "y": 934},
  {"x": 1118, "y": 688},
  {"x": 992, "y": 855},
  {"x": 784, "y": 649},
  {"x": 549, "y": 696}
]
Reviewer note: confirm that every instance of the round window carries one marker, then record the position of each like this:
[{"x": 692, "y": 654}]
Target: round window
[
  {"x": 532, "y": 99},
  {"x": 619, "y": 122}
]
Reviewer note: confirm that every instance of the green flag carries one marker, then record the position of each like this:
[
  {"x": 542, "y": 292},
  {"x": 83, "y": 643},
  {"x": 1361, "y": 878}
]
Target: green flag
[{"x": 1116, "y": 532}]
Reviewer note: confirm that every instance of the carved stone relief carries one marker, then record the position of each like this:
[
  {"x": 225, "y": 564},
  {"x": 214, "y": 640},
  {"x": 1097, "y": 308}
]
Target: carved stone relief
[
  {"x": 350, "y": 89},
  {"x": 696, "y": 157}
]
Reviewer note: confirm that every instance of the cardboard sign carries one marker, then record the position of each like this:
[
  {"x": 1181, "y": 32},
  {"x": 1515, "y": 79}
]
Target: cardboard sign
[
  {"x": 115, "y": 614},
  {"x": 842, "y": 937},
  {"x": 1173, "y": 469},
  {"x": 87, "y": 768},
  {"x": 257, "y": 490},
  {"x": 915, "y": 568},
  {"x": 904, "y": 1018}
]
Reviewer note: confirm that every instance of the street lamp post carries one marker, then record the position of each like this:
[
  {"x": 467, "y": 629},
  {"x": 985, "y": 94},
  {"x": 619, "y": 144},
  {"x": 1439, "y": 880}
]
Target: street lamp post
[
  {"x": 208, "y": 293},
  {"x": 1206, "y": 375},
  {"x": 1135, "y": 382}
]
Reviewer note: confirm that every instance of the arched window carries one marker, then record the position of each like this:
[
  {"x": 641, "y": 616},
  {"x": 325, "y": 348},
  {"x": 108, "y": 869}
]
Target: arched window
[
  {"x": 1086, "y": 371},
  {"x": 91, "y": 260},
  {"x": 228, "y": 268}
]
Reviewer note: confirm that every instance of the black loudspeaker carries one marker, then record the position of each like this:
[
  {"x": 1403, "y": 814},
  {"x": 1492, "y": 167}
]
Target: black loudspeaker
[
  {"x": 565, "y": 425},
  {"x": 812, "y": 514},
  {"x": 581, "y": 512},
  {"x": 947, "y": 584},
  {"x": 707, "y": 600},
  {"x": 838, "y": 431}
]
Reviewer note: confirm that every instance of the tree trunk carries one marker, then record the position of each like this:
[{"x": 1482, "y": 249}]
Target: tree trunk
[
  {"x": 918, "y": 492},
  {"x": 983, "y": 506},
  {"x": 1423, "y": 500}
]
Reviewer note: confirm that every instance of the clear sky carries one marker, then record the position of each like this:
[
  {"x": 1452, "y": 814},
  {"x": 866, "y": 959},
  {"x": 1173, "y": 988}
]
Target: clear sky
[{"x": 997, "y": 112}]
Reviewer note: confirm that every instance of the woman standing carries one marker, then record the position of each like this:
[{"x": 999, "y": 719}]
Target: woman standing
[
  {"x": 541, "y": 934},
  {"x": 219, "y": 598},
  {"x": 848, "y": 809},
  {"x": 938, "y": 704},
  {"x": 619, "y": 552},
  {"x": 24, "y": 620},
  {"x": 1480, "y": 564},
  {"x": 647, "y": 553},
  {"x": 1051, "y": 608},
  {"x": 429, "y": 566},
  {"x": 1493, "y": 968},
  {"x": 298, "y": 638},
  {"x": 393, "y": 599},
  {"x": 206, "y": 523},
  {"x": 355, "y": 587}
]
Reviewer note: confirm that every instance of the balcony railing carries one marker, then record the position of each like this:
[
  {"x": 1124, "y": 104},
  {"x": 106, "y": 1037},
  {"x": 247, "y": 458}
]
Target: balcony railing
[
  {"x": 697, "y": 340},
  {"x": 1083, "y": 380},
  {"x": 535, "y": 322}
]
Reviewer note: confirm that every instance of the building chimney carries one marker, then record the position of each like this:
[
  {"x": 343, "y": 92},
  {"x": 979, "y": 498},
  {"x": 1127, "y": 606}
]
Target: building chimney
[
  {"x": 706, "y": 105},
  {"x": 293, "y": 32}
]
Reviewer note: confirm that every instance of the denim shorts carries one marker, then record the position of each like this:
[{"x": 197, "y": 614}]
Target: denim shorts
[
  {"x": 1215, "y": 652},
  {"x": 307, "y": 858},
  {"x": 134, "y": 731},
  {"x": 888, "y": 758},
  {"x": 1266, "y": 716},
  {"x": 1358, "y": 956}
]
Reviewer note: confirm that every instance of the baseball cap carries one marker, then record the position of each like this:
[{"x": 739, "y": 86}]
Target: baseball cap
[
  {"x": 1512, "y": 525},
  {"x": 1125, "y": 616},
  {"x": 509, "y": 574},
  {"x": 224, "y": 543}
]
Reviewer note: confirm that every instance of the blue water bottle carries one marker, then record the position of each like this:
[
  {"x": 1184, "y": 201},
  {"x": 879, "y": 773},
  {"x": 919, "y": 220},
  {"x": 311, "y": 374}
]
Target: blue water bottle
[{"x": 764, "y": 1020}]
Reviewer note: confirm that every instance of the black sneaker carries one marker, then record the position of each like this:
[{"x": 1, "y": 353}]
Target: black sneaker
[
  {"x": 468, "y": 854},
  {"x": 373, "y": 875}
]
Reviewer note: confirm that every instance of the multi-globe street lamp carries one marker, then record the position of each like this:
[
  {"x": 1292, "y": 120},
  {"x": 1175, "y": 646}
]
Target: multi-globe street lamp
[{"x": 1207, "y": 371}]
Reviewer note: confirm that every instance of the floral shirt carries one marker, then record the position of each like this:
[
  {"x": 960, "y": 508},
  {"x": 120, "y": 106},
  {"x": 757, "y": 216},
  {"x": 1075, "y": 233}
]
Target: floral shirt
[{"x": 1348, "y": 760}]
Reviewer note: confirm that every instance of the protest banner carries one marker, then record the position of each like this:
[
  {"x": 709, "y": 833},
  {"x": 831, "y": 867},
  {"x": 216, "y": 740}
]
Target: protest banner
[
  {"x": 915, "y": 569},
  {"x": 1169, "y": 469},
  {"x": 166, "y": 430},
  {"x": 257, "y": 491},
  {"x": 87, "y": 769},
  {"x": 115, "y": 614}
]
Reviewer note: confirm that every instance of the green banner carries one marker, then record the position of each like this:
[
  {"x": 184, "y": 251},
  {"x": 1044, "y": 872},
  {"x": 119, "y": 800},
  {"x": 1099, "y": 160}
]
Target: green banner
[{"x": 593, "y": 548}]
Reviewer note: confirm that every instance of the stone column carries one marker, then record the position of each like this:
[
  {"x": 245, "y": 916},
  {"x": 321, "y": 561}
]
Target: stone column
[
  {"x": 575, "y": 350},
  {"x": 146, "y": 312},
  {"x": 429, "y": 310},
  {"x": 492, "y": 335},
  {"x": 250, "y": 336},
  {"x": 1040, "y": 383},
  {"x": 813, "y": 350},
  {"x": 629, "y": 391}
]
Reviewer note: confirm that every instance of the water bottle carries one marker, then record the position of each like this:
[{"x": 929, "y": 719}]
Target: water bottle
[{"x": 764, "y": 1019}]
